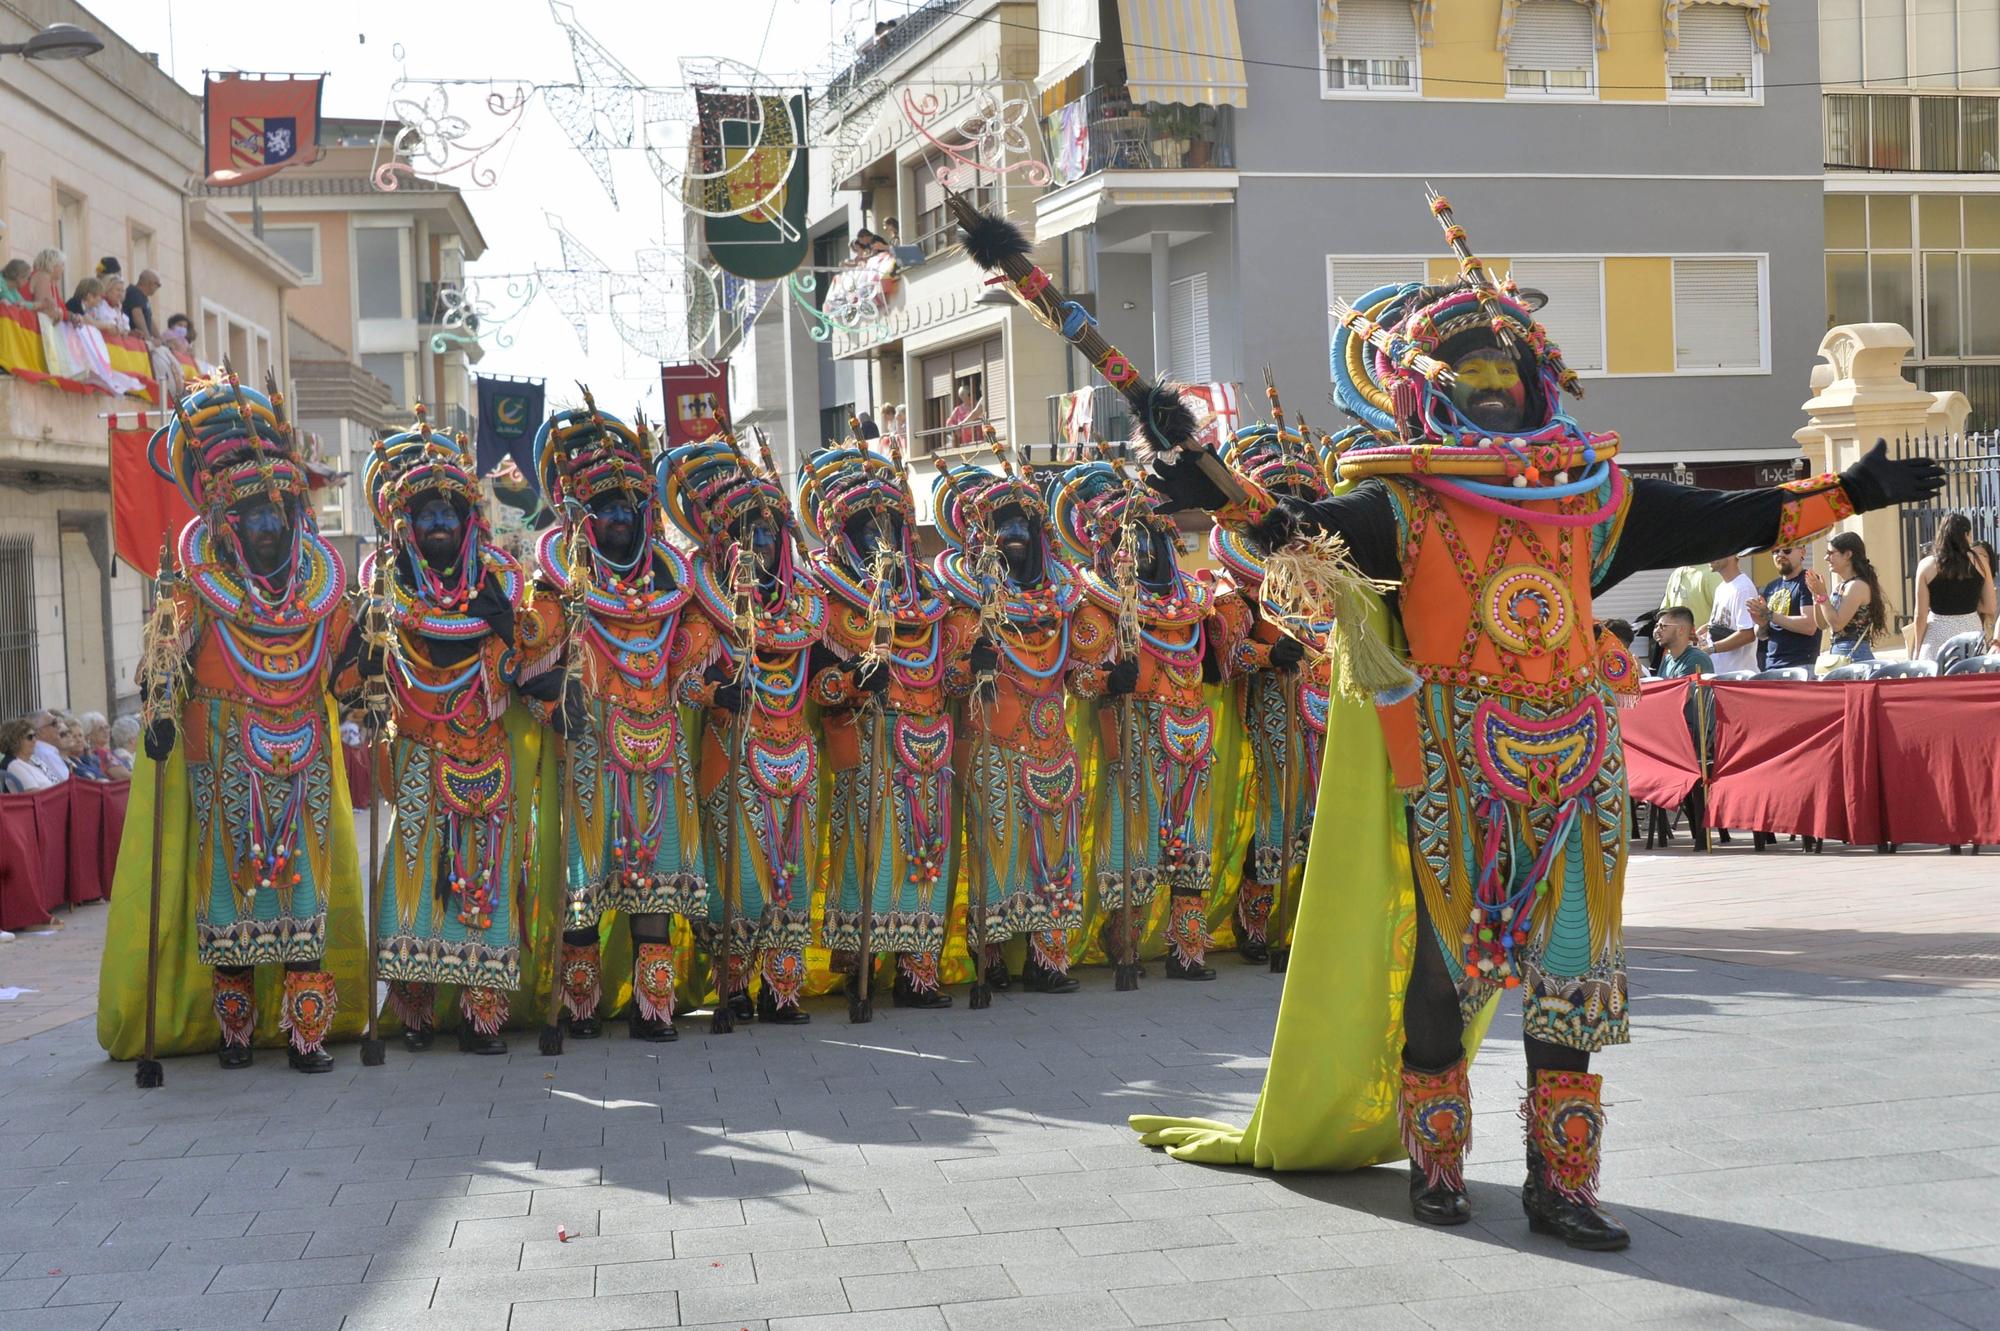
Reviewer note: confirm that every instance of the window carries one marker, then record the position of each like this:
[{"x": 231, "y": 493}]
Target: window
[
  {"x": 1350, "y": 277},
  {"x": 144, "y": 251},
  {"x": 1553, "y": 51},
  {"x": 1574, "y": 315},
  {"x": 1187, "y": 329},
  {"x": 975, "y": 373},
  {"x": 1912, "y": 43},
  {"x": 1373, "y": 48},
  {"x": 1716, "y": 58},
  {"x": 935, "y": 229},
  {"x": 378, "y": 258},
  {"x": 20, "y": 669},
  {"x": 297, "y": 245},
  {"x": 70, "y": 237},
  {"x": 389, "y": 368},
  {"x": 829, "y": 253},
  {"x": 1719, "y": 314},
  {"x": 833, "y": 421}
]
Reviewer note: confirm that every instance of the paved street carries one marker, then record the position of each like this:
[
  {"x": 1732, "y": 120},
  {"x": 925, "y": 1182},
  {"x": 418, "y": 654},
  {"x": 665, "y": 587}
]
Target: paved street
[{"x": 1796, "y": 1139}]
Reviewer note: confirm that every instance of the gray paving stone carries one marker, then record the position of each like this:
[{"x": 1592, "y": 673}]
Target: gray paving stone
[
  {"x": 84, "y": 1261},
  {"x": 493, "y": 1288},
  {"x": 761, "y": 1237},
  {"x": 113, "y": 1286},
  {"x": 847, "y": 1259},
  {"x": 288, "y": 1274},
  {"x": 19, "y": 1294},
  {"x": 426, "y": 1263},
  {"x": 777, "y": 1298},
  {"x": 915, "y": 1289},
  {"x": 199, "y": 1310},
  {"x": 83, "y": 1317},
  {"x": 883, "y": 1319},
  {"x": 1061, "y": 1312},
  {"x": 625, "y": 1312},
  {"x": 372, "y": 1299}
]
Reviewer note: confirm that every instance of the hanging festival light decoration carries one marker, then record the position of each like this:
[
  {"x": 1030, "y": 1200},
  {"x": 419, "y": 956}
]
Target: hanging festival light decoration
[{"x": 466, "y": 318}]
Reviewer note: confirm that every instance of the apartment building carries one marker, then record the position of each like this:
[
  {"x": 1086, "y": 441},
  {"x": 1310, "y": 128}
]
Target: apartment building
[
  {"x": 1911, "y": 126},
  {"x": 95, "y": 156}
]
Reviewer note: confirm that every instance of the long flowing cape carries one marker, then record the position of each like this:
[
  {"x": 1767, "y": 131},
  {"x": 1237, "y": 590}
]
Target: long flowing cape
[{"x": 1329, "y": 1099}]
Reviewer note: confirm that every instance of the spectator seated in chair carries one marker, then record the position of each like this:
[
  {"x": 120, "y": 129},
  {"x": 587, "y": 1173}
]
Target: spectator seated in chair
[{"x": 18, "y": 768}]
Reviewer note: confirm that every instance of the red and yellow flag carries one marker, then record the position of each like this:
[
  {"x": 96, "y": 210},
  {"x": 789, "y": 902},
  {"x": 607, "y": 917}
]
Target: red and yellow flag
[{"x": 258, "y": 126}]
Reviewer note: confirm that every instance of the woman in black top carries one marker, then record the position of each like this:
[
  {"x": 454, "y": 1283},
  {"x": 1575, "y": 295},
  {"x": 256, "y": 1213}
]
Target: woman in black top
[{"x": 1954, "y": 588}]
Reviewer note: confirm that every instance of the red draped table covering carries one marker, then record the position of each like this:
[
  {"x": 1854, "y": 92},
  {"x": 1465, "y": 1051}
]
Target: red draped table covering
[
  {"x": 1895, "y": 760},
  {"x": 58, "y": 847}
]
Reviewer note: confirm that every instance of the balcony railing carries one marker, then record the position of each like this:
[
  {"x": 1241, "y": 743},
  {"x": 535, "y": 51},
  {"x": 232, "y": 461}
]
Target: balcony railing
[
  {"x": 1107, "y": 421},
  {"x": 854, "y": 84},
  {"x": 1898, "y": 131},
  {"x": 1105, "y": 130}
]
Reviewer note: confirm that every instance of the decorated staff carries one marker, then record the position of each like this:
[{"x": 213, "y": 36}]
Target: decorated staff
[
  {"x": 1012, "y": 600},
  {"x": 616, "y": 650},
  {"x": 879, "y": 677},
  {"x": 1499, "y": 517},
  {"x": 253, "y": 624},
  {"x": 759, "y": 770},
  {"x": 374, "y": 631},
  {"x": 1156, "y": 638},
  {"x": 447, "y": 628},
  {"x": 1286, "y": 668},
  {"x": 161, "y": 667}
]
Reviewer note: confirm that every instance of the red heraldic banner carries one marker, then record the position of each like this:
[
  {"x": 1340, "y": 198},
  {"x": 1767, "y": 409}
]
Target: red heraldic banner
[
  {"x": 697, "y": 402},
  {"x": 146, "y": 508},
  {"x": 256, "y": 127}
]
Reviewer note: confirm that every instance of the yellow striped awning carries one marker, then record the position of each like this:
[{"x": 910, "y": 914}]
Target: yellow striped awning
[{"x": 1185, "y": 51}]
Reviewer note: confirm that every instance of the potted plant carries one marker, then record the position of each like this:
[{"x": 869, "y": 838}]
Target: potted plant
[{"x": 1170, "y": 129}]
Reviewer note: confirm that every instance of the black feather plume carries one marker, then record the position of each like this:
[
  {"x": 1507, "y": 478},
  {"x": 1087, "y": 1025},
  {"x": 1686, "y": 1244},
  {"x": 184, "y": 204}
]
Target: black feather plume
[
  {"x": 1163, "y": 420},
  {"x": 991, "y": 240}
]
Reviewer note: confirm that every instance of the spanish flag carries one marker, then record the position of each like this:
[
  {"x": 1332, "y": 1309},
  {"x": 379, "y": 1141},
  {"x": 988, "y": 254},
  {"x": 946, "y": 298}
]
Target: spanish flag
[{"x": 259, "y": 126}]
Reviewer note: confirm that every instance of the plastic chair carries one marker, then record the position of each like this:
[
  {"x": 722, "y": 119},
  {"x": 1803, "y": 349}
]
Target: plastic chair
[
  {"x": 1732, "y": 676},
  {"x": 1796, "y": 674},
  {"x": 1959, "y": 646},
  {"x": 1975, "y": 665},
  {"x": 1908, "y": 670},
  {"x": 1853, "y": 670}
]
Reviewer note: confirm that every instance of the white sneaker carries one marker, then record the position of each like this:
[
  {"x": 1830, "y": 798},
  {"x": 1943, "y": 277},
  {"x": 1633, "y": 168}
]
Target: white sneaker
[{"x": 6, "y": 937}]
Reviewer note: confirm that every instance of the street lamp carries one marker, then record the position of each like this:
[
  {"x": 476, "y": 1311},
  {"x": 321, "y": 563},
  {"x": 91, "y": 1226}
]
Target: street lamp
[{"x": 58, "y": 41}]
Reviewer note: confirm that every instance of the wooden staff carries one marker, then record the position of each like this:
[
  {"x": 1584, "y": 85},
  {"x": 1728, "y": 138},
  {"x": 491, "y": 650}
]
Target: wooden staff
[
  {"x": 374, "y": 633},
  {"x": 743, "y": 587},
  {"x": 550, "y": 1040},
  {"x": 1126, "y": 567},
  {"x": 861, "y": 1008},
  {"x": 162, "y": 680},
  {"x": 1290, "y": 777}
]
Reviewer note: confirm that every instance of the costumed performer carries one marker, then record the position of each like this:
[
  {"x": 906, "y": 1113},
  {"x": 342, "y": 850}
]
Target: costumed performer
[
  {"x": 1500, "y": 518},
  {"x": 613, "y": 635}
]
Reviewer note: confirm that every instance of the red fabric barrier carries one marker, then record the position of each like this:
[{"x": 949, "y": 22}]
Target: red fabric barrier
[
  {"x": 1935, "y": 759},
  {"x": 58, "y": 846},
  {"x": 1660, "y": 764},
  {"x": 1781, "y": 759}
]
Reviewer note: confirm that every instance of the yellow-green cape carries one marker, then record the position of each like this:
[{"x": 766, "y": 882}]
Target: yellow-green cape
[
  {"x": 1329, "y": 1099},
  {"x": 184, "y": 1018}
]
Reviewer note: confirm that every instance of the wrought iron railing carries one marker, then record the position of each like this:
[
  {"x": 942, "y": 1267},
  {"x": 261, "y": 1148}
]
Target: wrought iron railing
[
  {"x": 855, "y": 84},
  {"x": 1106, "y": 420},
  {"x": 1900, "y": 131},
  {"x": 1972, "y": 487},
  {"x": 1105, "y": 130}
]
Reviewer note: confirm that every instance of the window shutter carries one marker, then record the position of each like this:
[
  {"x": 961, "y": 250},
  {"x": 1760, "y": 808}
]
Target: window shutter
[
  {"x": 1187, "y": 329},
  {"x": 1574, "y": 315},
  {"x": 1374, "y": 30},
  {"x": 1553, "y": 35},
  {"x": 937, "y": 375},
  {"x": 1718, "y": 315},
  {"x": 1351, "y": 278},
  {"x": 1715, "y": 48},
  {"x": 996, "y": 384}
]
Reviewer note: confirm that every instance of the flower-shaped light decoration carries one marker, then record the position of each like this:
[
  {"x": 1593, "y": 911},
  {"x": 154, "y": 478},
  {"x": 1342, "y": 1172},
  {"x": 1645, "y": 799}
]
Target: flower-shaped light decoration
[{"x": 430, "y": 131}]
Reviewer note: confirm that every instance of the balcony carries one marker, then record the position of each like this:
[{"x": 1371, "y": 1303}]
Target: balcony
[
  {"x": 855, "y": 84},
  {"x": 1943, "y": 134},
  {"x": 1105, "y": 131},
  {"x": 1108, "y": 421}
]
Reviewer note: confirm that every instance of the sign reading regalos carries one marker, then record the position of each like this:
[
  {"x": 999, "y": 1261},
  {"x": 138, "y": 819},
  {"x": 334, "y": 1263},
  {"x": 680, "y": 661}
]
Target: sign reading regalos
[
  {"x": 750, "y": 165},
  {"x": 256, "y": 127}
]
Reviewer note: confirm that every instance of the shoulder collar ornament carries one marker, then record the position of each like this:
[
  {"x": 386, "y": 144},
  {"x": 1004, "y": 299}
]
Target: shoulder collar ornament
[
  {"x": 927, "y": 607},
  {"x": 217, "y": 582},
  {"x": 409, "y": 612},
  {"x": 795, "y": 628},
  {"x": 1059, "y": 593},
  {"x": 1187, "y": 603},
  {"x": 639, "y": 605}
]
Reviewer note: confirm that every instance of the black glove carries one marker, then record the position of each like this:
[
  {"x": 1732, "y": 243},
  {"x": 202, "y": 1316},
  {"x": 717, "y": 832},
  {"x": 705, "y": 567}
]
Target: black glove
[
  {"x": 1180, "y": 479},
  {"x": 719, "y": 672},
  {"x": 491, "y": 605},
  {"x": 1122, "y": 678},
  {"x": 728, "y": 697},
  {"x": 1286, "y": 653},
  {"x": 1280, "y": 527},
  {"x": 545, "y": 687},
  {"x": 573, "y": 717},
  {"x": 984, "y": 658},
  {"x": 1880, "y": 481},
  {"x": 159, "y": 740},
  {"x": 870, "y": 677}
]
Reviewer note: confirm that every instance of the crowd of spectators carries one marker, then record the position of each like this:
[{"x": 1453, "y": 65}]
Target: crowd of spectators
[
  {"x": 51, "y": 747},
  {"x": 76, "y": 318}
]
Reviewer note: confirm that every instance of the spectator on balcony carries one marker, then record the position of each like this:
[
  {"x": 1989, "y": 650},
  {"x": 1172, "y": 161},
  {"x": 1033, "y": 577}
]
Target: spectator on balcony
[
  {"x": 138, "y": 306},
  {"x": 79, "y": 341},
  {"x": 965, "y": 417},
  {"x": 1954, "y": 588},
  {"x": 113, "y": 303},
  {"x": 14, "y": 282},
  {"x": 45, "y": 285},
  {"x": 17, "y": 758},
  {"x": 868, "y": 428},
  {"x": 899, "y": 425},
  {"x": 108, "y": 267}
]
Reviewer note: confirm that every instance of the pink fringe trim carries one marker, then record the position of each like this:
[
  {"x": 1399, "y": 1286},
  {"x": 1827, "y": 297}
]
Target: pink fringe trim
[{"x": 413, "y": 1003}]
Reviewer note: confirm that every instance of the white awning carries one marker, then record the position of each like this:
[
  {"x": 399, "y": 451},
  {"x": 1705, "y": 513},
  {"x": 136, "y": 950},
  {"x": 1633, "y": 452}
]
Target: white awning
[
  {"x": 1185, "y": 51},
  {"x": 1069, "y": 37}
]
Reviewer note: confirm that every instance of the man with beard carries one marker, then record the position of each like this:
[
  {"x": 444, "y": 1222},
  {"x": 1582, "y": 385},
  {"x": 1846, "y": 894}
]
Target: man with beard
[
  {"x": 607, "y": 658},
  {"x": 260, "y": 844},
  {"x": 1284, "y": 697},
  {"x": 759, "y": 771},
  {"x": 1147, "y": 657},
  {"x": 1012, "y": 601},
  {"x": 878, "y": 675},
  {"x": 459, "y": 776},
  {"x": 1500, "y": 518},
  {"x": 1787, "y": 633}
]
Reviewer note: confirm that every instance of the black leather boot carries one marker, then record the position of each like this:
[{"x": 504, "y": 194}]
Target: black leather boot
[
  {"x": 1177, "y": 971},
  {"x": 317, "y": 1061},
  {"x": 585, "y": 1028},
  {"x": 470, "y": 1041},
  {"x": 740, "y": 1005},
  {"x": 1252, "y": 950},
  {"x": 997, "y": 977},
  {"x": 906, "y": 994},
  {"x": 768, "y": 1011},
  {"x": 233, "y": 1056},
  {"x": 1039, "y": 979},
  {"x": 1565, "y": 1117},
  {"x": 416, "y": 1039},
  {"x": 1435, "y": 1111},
  {"x": 650, "y": 1030}
]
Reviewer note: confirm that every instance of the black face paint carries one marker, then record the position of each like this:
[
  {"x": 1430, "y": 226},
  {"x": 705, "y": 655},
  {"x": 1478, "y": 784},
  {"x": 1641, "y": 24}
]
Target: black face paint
[
  {"x": 264, "y": 529},
  {"x": 1020, "y": 540},
  {"x": 440, "y": 531},
  {"x": 614, "y": 522}
]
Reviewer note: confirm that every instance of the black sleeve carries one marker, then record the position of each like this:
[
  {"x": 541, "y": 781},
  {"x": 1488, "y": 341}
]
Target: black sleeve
[
  {"x": 1364, "y": 517},
  {"x": 1668, "y": 525}
]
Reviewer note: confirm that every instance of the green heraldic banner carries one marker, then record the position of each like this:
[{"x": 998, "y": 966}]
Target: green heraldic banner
[{"x": 751, "y": 161}]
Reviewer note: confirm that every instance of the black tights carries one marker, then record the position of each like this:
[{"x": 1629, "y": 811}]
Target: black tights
[
  {"x": 645, "y": 929},
  {"x": 1433, "y": 1035},
  {"x": 299, "y": 966}
]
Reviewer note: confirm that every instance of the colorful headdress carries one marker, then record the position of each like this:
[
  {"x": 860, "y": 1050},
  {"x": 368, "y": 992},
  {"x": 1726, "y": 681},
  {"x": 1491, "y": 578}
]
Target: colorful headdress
[
  {"x": 227, "y": 443},
  {"x": 706, "y": 488},
  {"x": 842, "y": 480},
  {"x": 1090, "y": 503},
  {"x": 581, "y": 453},
  {"x": 1391, "y": 367},
  {"x": 965, "y": 497},
  {"x": 1276, "y": 455},
  {"x": 416, "y": 462}
]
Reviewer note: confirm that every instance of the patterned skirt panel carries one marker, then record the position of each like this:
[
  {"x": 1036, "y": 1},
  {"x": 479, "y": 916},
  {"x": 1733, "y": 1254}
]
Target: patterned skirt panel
[
  {"x": 1168, "y": 838},
  {"x": 1021, "y": 840},
  {"x": 765, "y": 860},
  {"x": 632, "y": 836},
  {"x": 261, "y": 853},
  {"x": 901, "y": 818},
  {"x": 452, "y": 872}
]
